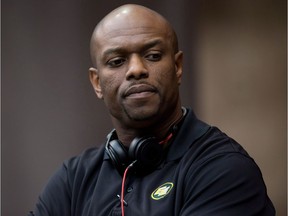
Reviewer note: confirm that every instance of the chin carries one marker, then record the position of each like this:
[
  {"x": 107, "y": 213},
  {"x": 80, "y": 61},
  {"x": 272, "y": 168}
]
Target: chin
[{"x": 142, "y": 114}]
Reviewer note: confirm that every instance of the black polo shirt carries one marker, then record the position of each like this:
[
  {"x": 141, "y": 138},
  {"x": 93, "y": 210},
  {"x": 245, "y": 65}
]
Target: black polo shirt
[{"x": 204, "y": 173}]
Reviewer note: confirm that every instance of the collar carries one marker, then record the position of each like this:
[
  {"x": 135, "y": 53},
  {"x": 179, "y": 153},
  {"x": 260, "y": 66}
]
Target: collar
[{"x": 190, "y": 131}]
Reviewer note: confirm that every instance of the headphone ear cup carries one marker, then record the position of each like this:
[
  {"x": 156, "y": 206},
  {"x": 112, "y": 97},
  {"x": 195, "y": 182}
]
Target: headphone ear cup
[
  {"x": 147, "y": 152},
  {"x": 118, "y": 155}
]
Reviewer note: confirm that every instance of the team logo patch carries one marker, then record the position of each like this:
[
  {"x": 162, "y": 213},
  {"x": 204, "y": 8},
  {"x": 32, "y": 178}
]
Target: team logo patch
[{"x": 162, "y": 191}]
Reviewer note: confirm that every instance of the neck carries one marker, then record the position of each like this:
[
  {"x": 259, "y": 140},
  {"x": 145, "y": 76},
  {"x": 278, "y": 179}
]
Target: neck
[{"x": 160, "y": 129}]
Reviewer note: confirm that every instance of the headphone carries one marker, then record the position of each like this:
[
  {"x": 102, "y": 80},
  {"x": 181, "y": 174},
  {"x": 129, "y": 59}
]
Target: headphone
[{"x": 146, "y": 153}]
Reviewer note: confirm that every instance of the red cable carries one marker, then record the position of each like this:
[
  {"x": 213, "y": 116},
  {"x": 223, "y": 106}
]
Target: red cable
[
  {"x": 125, "y": 175},
  {"x": 123, "y": 187},
  {"x": 166, "y": 140}
]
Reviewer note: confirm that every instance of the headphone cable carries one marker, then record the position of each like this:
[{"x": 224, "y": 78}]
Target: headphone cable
[{"x": 123, "y": 186}]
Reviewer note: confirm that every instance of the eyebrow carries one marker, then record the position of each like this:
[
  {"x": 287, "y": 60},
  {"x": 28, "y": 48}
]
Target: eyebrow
[{"x": 146, "y": 46}]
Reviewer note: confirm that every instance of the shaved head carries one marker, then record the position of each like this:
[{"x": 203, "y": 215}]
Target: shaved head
[
  {"x": 127, "y": 17},
  {"x": 137, "y": 70}
]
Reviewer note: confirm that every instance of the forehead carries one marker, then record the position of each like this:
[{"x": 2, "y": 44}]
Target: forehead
[
  {"x": 132, "y": 27},
  {"x": 131, "y": 33}
]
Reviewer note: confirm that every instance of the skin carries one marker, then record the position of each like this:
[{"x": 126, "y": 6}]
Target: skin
[{"x": 137, "y": 71}]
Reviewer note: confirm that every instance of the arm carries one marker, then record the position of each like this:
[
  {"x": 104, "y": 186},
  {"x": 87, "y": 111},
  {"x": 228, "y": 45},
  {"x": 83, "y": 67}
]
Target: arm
[
  {"x": 229, "y": 184},
  {"x": 55, "y": 199}
]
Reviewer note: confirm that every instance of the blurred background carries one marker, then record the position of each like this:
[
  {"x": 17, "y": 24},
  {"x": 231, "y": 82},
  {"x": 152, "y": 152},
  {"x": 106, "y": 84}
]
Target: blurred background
[{"x": 234, "y": 77}]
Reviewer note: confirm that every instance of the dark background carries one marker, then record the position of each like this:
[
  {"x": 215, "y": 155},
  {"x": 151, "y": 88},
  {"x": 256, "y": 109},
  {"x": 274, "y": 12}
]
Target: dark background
[{"x": 234, "y": 77}]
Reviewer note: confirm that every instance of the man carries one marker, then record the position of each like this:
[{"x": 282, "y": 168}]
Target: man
[{"x": 160, "y": 159}]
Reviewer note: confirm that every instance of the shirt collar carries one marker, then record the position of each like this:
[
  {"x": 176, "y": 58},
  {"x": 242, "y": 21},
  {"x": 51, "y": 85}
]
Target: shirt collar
[{"x": 190, "y": 131}]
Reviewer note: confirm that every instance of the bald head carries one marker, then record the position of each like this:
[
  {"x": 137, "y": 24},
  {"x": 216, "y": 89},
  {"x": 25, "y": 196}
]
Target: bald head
[{"x": 126, "y": 18}]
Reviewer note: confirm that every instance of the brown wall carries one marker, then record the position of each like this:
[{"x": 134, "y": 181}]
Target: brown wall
[
  {"x": 241, "y": 81},
  {"x": 235, "y": 78}
]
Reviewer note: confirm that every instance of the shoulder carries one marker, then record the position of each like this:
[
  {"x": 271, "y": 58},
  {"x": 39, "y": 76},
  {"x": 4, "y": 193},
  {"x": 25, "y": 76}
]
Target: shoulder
[
  {"x": 217, "y": 159},
  {"x": 82, "y": 163},
  {"x": 216, "y": 144},
  {"x": 227, "y": 184},
  {"x": 86, "y": 157},
  {"x": 77, "y": 165},
  {"x": 224, "y": 177},
  {"x": 55, "y": 199},
  {"x": 217, "y": 153},
  {"x": 230, "y": 167},
  {"x": 74, "y": 170}
]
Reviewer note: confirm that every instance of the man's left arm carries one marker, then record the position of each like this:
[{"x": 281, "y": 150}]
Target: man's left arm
[{"x": 228, "y": 184}]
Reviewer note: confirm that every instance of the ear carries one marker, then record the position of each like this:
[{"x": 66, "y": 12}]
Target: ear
[
  {"x": 95, "y": 81},
  {"x": 179, "y": 65}
]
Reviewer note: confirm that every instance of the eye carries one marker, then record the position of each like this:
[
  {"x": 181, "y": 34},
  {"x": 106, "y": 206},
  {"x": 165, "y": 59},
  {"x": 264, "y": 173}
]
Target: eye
[
  {"x": 153, "y": 56},
  {"x": 116, "y": 62}
]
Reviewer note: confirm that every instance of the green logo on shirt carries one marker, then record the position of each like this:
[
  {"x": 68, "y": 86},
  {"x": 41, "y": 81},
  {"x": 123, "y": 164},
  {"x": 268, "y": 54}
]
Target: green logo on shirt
[{"x": 162, "y": 191}]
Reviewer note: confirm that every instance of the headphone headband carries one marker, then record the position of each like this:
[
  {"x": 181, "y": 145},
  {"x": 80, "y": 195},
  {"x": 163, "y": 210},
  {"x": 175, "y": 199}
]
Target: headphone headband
[{"x": 146, "y": 152}]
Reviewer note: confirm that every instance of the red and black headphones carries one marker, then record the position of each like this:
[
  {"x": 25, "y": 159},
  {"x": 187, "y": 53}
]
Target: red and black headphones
[{"x": 146, "y": 153}]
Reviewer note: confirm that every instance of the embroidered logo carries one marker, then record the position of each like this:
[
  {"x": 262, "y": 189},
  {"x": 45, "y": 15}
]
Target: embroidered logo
[{"x": 162, "y": 191}]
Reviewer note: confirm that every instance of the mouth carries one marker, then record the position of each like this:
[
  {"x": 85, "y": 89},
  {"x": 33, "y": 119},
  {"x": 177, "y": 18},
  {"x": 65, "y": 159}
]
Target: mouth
[{"x": 139, "y": 90}]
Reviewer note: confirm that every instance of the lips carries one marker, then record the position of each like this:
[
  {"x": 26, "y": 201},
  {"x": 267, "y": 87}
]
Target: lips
[{"x": 139, "y": 89}]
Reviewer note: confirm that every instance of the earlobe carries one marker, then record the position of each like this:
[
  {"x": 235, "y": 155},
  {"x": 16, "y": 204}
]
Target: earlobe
[
  {"x": 95, "y": 81},
  {"x": 179, "y": 65}
]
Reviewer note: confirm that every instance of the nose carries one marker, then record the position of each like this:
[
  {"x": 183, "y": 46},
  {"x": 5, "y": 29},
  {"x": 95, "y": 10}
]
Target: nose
[{"x": 136, "y": 68}]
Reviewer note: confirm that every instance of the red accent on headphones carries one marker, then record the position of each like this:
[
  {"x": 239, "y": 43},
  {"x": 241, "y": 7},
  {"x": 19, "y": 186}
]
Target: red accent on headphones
[{"x": 167, "y": 139}]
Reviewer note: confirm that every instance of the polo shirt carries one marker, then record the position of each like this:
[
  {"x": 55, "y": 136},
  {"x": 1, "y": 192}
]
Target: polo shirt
[{"x": 204, "y": 172}]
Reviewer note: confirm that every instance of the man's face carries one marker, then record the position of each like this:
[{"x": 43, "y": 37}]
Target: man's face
[{"x": 137, "y": 71}]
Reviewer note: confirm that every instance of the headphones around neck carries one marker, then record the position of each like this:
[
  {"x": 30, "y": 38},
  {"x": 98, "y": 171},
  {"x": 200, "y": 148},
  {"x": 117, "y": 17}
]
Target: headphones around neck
[{"x": 146, "y": 153}]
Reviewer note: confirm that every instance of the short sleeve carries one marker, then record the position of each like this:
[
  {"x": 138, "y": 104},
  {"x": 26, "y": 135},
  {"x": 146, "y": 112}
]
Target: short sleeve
[
  {"x": 55, "y": 199},
  {"x": 226, "y": 184}
]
